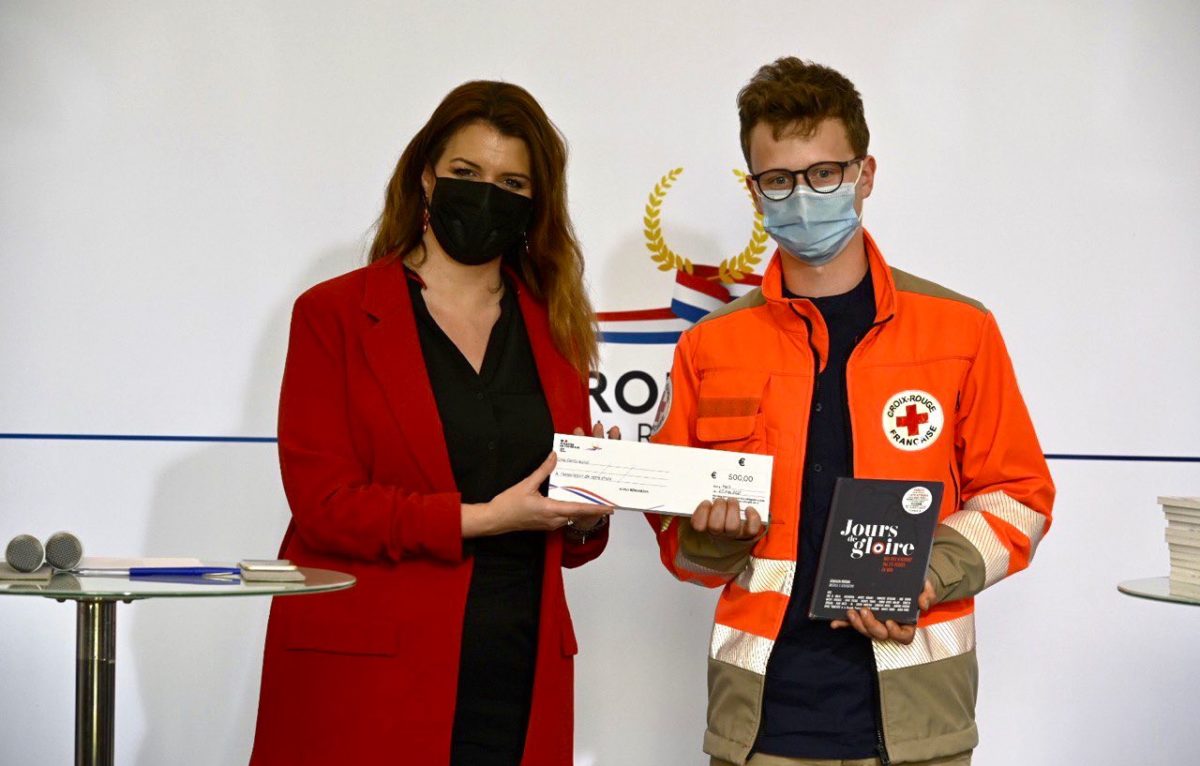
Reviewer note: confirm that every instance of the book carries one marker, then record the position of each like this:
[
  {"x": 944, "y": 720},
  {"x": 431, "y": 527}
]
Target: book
[
  {"x": 876, "y": 548},
  {"x": 1183, "y": 538},
  {"x": 1187, "y": 590},
  {"x": 270, "y": 575},
  {"x": 1183, "y": 522},
  {"x": 267, "y": 565},
  {"x": 270, "y": 570},
  {"x": 1182, "y": 563},
  {"x": 1180, "y": 503},
  {"x": 1183, "y": 575},
  {"x": 41, "y": 575}
]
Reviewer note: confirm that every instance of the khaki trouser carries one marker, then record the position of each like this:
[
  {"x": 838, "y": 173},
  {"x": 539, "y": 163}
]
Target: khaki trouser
[{"x": 762, "y": 759}]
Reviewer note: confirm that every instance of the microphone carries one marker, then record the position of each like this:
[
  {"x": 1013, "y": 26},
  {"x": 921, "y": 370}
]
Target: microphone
[
  {"x": 63, "y": 550},
  {"x": 24, "y": 553}
]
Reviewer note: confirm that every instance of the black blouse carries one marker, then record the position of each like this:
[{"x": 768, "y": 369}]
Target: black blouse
[{"x": 498, "y": 429}]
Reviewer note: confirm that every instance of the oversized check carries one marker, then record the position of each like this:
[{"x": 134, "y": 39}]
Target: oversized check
[{"x": 658, "y": 478}]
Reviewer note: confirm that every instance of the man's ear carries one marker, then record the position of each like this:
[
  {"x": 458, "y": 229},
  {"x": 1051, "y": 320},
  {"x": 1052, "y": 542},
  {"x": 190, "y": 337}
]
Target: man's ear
[
  {"x": 750, "y": 187},
  {"x": 868, "y": 176}
]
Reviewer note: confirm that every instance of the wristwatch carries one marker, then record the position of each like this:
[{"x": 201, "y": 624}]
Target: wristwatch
[{"x": 581, "y": 536}]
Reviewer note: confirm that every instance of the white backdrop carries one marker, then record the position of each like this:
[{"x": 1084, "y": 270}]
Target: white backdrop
[{"x": 173, "y": 174}]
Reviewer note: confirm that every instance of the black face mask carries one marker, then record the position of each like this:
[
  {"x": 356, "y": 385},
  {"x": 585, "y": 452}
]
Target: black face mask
[{"x": 477, "y": 222}]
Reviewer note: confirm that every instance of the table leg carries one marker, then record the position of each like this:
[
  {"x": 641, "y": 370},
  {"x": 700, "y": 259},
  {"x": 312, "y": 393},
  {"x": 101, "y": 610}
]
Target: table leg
[{"x": 95, "y": 681}]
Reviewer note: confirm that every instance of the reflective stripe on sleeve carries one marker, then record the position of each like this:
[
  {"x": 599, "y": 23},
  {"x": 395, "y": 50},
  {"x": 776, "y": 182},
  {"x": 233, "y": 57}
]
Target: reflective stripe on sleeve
[
  {"x": 685, "y": 565},
  {"x": 762, "y": 575},
  {"x": 972, "y": 525},
  {"x": 741, "y": 649},
  {"x": 1028, "y": 521},
  {"x": 930, "y": 644}
]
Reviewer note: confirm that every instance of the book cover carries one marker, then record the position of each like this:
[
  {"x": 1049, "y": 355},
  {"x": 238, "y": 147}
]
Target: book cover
[{"x": 876, "y": 548}]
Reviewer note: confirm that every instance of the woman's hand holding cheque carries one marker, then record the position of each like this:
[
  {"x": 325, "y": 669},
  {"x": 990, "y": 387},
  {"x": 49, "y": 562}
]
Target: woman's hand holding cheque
[{"x": 524, "y": 507}]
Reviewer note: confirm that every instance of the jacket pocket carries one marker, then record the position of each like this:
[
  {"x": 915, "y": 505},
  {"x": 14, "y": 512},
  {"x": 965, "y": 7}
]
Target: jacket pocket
[
  {"x": 729, "y": 409},
  {"x": 363, "y": 619},
  {"x": 570, "y": 645}
]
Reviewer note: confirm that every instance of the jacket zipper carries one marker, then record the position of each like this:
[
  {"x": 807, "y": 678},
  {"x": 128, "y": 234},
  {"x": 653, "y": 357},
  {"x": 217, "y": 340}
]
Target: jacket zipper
[
  {"x": 957, "y": 492},
  {"x": 880, "y": 745},
  {"x": 953, "y": 469},
  {"x": 816, "y": 389},
  {"x": 884, "y": 760}
]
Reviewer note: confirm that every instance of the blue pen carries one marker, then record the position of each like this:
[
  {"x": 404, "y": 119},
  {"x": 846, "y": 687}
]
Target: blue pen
[{"x": 181, "y": 571}]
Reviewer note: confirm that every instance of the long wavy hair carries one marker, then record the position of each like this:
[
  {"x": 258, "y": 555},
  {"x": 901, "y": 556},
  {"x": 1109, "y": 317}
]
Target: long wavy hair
[{"x": 552, "y": 265}]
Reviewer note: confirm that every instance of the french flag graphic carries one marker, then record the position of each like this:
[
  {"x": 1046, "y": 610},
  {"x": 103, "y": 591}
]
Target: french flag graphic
[{"x": 695, "y": 295}]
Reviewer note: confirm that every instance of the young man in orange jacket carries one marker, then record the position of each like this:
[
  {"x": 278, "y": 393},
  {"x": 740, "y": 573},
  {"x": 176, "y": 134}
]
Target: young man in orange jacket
[{"x": 843, "y": 366}]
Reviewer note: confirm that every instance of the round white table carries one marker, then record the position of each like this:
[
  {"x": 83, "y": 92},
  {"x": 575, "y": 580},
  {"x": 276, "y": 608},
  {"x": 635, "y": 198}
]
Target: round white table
[
  {"x": 96, "y": 600},
  {"x": 1156, "y": 588}
]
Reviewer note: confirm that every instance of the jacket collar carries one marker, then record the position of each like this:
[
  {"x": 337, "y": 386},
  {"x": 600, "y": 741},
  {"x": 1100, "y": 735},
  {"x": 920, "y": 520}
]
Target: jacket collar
[
  {"x": 393, "y": 351},
  {"x": 561, "y": 382},
  {"x": 881, "y": 278},
  {"x": 799, "y": 315}
]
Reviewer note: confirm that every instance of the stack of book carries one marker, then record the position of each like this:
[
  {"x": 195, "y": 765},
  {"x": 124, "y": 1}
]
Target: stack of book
[{"x": 1183, "y": 540}]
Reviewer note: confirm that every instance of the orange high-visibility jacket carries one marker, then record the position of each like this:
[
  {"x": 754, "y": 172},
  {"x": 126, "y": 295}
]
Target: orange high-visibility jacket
[{"x": 932, "y": 396}]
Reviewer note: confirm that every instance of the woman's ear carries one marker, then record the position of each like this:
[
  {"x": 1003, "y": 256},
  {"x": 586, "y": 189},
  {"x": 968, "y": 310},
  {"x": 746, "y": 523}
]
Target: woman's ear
[{"x": 428, "y": 179}]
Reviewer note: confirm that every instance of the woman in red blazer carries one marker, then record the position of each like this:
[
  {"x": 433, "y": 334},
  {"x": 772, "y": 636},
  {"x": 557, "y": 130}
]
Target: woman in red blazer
[{"x": 418, "y": 401}]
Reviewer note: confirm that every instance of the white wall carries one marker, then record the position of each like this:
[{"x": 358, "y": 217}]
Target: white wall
[{"x": 173, "y": 174}]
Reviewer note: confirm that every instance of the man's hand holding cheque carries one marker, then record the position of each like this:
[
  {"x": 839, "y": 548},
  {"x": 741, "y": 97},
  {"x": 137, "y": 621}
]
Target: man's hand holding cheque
[{"x": 724, "y": 518}]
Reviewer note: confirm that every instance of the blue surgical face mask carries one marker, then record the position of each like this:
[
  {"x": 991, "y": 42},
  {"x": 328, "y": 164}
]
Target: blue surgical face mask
[{"x": 813, "y": 228}]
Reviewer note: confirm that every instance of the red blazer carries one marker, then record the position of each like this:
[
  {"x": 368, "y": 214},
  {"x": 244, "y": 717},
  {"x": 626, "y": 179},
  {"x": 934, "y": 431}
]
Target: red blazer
[{"x": 369, "y": 674}]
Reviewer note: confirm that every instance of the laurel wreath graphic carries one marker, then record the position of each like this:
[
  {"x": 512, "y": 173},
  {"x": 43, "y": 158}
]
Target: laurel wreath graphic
[
  {"x": 736, "y": 269},
  {"x": 731, "y": 270},
  {"x": 666, "y": 258}
]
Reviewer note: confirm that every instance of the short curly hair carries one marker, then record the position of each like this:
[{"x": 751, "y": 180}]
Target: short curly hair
[{"x": 792, "y": 95}]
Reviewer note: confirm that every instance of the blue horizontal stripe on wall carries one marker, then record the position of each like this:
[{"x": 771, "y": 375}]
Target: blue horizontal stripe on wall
[
  {"x": 643, "y": 338},
  {"x": 142, "y": 438},
  {"x": 1128, "y": 458},
  {"x": 272, "y": 440}
]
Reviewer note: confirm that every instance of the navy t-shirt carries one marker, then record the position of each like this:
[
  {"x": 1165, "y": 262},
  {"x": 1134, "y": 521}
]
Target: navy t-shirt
[{"x": 820, "y": 697}]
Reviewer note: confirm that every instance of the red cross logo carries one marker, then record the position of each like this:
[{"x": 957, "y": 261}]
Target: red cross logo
[{"x": 911, "y": 420}]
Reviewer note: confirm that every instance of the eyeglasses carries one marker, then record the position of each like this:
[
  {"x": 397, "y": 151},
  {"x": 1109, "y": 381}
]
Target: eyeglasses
[{"x": 823, "y": 178}]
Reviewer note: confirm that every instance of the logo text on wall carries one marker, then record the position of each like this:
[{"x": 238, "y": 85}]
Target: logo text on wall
[{"x": 698, "y": 290}]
